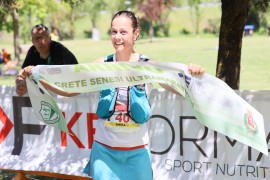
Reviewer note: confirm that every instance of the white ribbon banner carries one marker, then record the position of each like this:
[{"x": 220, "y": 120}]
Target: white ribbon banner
[{"x": 214, "y": 104}]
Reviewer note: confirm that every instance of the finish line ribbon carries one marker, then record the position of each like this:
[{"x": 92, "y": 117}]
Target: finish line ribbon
[{"x": 214, "y": 103}]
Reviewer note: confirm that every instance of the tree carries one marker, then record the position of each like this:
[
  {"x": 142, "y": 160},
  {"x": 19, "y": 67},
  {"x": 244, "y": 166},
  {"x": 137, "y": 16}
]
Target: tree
[
  {"x": 112, "y": 6},
  {"x": 152, "y": 10},
  {"x": 3, "y": 15},
  {"x": 195, "y": 15},
  {"x": 15, "y": 18},
  {"x": 10, "y": 7},
  {"x": 234, "y": 16},
  {"x": 258, "y": 18},
  {"x": 72, "y": 16},
  {"x": 25, "y": 9},
  {"x": 32, "y": 12},
  {"x": 93, "y": 8}
]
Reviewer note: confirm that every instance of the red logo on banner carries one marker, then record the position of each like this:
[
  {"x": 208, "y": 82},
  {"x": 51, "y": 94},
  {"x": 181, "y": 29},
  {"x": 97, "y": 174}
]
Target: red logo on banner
[
  {"x": 250, "y": 123},
  {"x": 7, "y": 125},
  {"x": 91, "y": 130}
]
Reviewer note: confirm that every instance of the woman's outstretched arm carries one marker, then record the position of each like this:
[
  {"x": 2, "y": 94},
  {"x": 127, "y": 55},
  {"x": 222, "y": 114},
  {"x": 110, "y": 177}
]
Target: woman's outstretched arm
[{"x": 27, "y": 71}]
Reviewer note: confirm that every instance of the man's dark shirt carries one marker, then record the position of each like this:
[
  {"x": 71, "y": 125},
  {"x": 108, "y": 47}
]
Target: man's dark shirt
[{"x": 59, "y": 55}]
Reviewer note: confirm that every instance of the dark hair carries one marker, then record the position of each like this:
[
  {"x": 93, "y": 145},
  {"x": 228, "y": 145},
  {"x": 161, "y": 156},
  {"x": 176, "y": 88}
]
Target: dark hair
[
  {"x": 130, "y": 15},
  {"x": 39, "y": 27}
]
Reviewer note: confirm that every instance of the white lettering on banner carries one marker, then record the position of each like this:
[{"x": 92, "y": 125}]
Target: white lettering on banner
[
  {"x": 72, "y": 84},
  {"x": 182, "y": 148},
  {"x": 96, "y": 81}
]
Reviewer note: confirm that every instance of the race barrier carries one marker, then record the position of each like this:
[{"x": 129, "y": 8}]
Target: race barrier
[{"x": 181, "y": 147}]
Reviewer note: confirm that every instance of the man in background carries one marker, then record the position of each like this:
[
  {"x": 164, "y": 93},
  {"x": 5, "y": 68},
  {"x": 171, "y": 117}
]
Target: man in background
[{"x": 44, "y": 51}]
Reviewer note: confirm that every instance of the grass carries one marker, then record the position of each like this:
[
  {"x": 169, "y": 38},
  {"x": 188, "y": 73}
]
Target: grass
[{"x": 203, "y": 50}]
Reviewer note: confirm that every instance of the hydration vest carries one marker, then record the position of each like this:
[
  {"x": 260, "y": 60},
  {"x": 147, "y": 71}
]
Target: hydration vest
[{"x": 139, "y": 108}]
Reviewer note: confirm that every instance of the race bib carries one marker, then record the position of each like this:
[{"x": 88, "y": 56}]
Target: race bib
[{"x": 121, "y": 122}]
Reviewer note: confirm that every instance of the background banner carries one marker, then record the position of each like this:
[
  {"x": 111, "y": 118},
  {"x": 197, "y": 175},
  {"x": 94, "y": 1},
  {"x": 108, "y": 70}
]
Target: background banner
[{"x": 181, "y": 147}]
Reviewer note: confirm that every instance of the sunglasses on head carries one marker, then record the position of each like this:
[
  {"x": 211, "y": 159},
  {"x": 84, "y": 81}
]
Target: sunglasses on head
[{"x": 40, "y": 26}]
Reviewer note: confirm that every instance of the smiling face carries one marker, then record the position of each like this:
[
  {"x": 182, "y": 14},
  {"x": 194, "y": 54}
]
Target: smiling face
[{"x": 123, "y": 34}]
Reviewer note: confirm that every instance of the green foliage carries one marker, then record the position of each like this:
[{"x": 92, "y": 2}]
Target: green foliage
[
  {"x": 33, "y": 12},
  {"x": 58, "y": 14},
  {"x": 257, "y": 15},
  {"x": 2, "y": 17},
  {"x": 144, "y": 28},
  {"x": 213, "y": 26},
  {"x": 93, "y": 8},
  {"x": 112, "y": 6},
  {"x": 74, "y": 3},
  {"x": 8, "y": 3},
  {"x": 261, "y": 5},
  {"x": 5, "y": 9},
  {"x": 7, "y": 175},
  {"x": 185, "y": 31}
]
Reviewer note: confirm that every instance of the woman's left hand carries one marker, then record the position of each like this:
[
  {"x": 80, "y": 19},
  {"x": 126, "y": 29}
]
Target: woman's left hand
[{"x": 195, "y": 69}]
